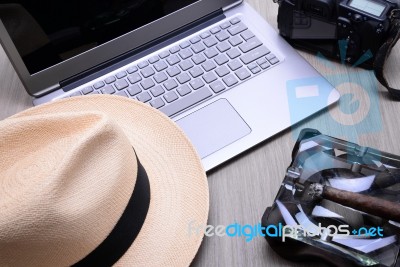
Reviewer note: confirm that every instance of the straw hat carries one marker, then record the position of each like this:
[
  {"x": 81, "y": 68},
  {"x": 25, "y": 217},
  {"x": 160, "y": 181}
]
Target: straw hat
[{"x": 97, "y": 181}]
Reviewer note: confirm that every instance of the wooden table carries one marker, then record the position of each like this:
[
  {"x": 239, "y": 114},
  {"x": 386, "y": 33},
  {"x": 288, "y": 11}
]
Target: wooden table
[{"x": 242, "y": 188}]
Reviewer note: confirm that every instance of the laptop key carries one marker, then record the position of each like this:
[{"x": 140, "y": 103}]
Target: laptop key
[
  {"x": 109, "y": 89},
  {"x": 222, "y": 71},
  {"x": 217, "y": 86},
  {"x": 261, "y": 61},
  {"x": 250, "y": 45},
  {"x": 197, "y": 83},
  {"x": 209, "y": 77},
  {"x": 157, "y": 91},
  {"x": 187, "y": 101},
  {"x": 132, "y": 69},
  {"x": 208, "y": 65},
  {"x": 174, "y": 49},
  {"x": 198, "y": 47},
  {"x": 147, "y": 84},
  {"x": 157, "y": 103},
  {"x": 234, "y": 21},
  {"x": 144, "y": 97},
  {"x": 198, "y": 59},
  {"x": 204, "y": 35},
  {"x": 254, "y": 54},
  {"x": 134, "y": 78},
  {"x": 247, "y": 34},
  {"x": 184, "y": 44},
  {"x": 225, "y": 25},
  {"x": 160, "y": 77},
  {"x": 94, "y": 93},
  {"x": 147, "y": 72},
  {"x": 238, "y": 28},
  {"x": 183, "y": 78},
  {"x": 98, "y": 85},
  {"x": 252, "y": 65},
  {"x": 184, "y": 54},
  {"x": 87, "y": 90},
  {"x": 215, "y": 30},
  {"x": 153, "y": 60},
  {"x": 270, "y": 56},
  {"x": 273, "y": 61},
  {"x": 233, "y": 53},
  {"x": 160, "y": 66},
  {"x": 230, "y": 80},
  {"x": 173, "y": 59},
  {"x": 222, "y": 36},
  {"x": 163, "y": 54},
  {"x": 257, "y": 69},
  {"x": 143, "y": 64},
  {"x": 195, "y": 39},
  {"x": 110, "y": 79},
  {"x": 121, "y": 74},
  {"x": 210, "y": 41},
  {"x": 211, "y": 52},
  {"x": 183, "y": 90},
  {"x": 235, "y": 40},
  {"x": 121, "y": 84},
  {"x": 265, "y": 65},
  {"x": 221, "y": 59},
  {"x": 242, "y": 74},
  {"x": 78, "y": 93},
  {"x": 170, "y": 84},
  {"x": 173, "y": 71},
  {"x": 170, "y": 96},
  {"x": 134, "y": 90},
  {"x": 235, "y": 64},
  {"x": 185, "y": 65},
  {"x": 196, "y": 72},
  {"x": 121, "y": 93},
  {"x": 224, "y": 46}
]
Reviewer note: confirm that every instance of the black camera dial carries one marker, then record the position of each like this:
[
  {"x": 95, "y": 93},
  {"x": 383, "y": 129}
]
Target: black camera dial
[
  {"x": 343, "y": 22},
  {"x": 357, "y": 18}
]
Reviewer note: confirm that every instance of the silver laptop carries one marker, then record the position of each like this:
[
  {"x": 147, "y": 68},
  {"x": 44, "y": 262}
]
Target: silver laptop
[{"x": 213, "y": 66}]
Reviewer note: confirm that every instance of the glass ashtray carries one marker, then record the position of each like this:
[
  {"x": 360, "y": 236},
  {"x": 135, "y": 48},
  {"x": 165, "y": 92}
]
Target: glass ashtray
[{"x": 338, "y": 203}]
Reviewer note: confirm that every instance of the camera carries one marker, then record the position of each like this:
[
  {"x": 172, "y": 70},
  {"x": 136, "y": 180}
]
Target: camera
[{"x": 349, "y": 30}]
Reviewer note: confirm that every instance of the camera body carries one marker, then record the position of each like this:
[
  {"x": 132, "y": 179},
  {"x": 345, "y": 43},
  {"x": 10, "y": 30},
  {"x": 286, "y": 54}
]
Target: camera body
[{"x": 349, "y": 30}]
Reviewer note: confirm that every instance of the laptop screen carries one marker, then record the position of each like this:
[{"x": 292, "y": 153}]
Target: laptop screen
[{"x": 59, "y": 30}]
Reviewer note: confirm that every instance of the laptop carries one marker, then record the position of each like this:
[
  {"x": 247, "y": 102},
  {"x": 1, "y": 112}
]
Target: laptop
[{"x": 215, "y": 67}]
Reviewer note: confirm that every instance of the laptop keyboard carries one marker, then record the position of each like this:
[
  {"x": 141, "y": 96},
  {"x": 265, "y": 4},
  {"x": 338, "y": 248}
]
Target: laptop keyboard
[{"x": 193, "y": 71}]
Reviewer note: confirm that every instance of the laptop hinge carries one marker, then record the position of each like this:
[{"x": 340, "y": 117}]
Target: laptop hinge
[
  {"x": 226, "y": 8},
  {"x": 142, "y": 51},
  {"x": 52, "y": 88}
]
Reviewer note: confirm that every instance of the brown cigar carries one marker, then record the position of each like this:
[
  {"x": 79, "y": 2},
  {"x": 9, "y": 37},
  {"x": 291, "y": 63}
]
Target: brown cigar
[{"x": 371, "y": 205}]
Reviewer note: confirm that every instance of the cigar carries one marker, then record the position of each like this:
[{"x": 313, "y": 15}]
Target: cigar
[{"x": 372, "y": 205}]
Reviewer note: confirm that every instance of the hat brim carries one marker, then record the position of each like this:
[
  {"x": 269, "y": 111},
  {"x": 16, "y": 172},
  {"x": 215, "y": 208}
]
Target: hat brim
[{"x": 178, "y": 184}]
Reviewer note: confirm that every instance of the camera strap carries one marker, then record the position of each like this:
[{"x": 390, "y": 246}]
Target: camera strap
[{"x": 384, "y": 51}]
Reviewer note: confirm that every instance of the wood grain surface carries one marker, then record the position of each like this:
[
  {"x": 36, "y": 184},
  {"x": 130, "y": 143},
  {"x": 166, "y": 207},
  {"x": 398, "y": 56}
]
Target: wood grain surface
[{"x": 242, "y": 188}]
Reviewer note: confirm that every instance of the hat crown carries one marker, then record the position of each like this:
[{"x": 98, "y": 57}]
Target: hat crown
[{"x": 60, "y": 173}]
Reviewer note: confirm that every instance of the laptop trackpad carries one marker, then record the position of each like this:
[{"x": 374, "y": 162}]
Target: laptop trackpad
[{"x": 214, "y": 127}]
